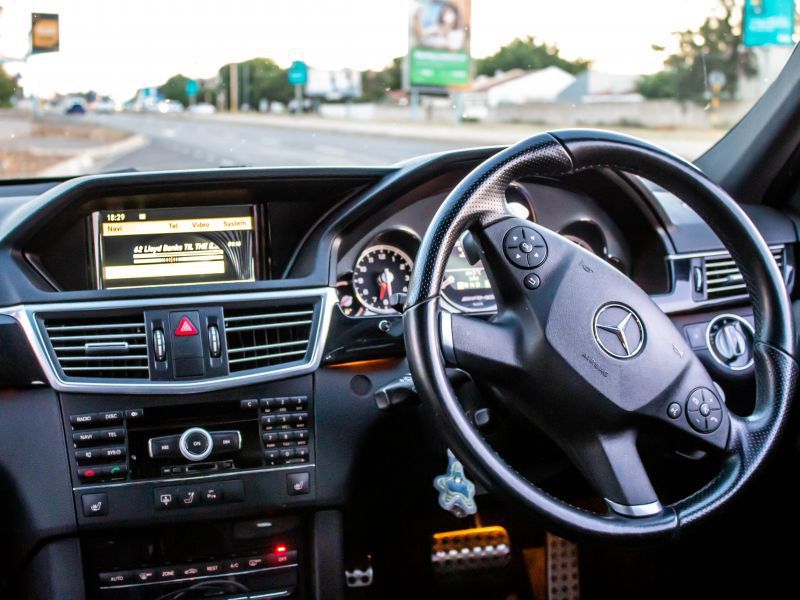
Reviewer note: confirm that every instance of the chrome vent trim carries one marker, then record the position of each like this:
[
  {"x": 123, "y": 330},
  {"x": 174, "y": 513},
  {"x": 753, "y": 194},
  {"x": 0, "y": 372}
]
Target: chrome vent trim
[
  {"x": 262, "y": 337},
  {"x": 99, "y": 347},
  {"x": 31, "y": 318},
  {"x": 723, "y": 278}
]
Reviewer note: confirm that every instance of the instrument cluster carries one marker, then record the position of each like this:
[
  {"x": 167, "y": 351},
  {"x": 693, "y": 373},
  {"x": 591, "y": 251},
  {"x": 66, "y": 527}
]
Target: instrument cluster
[{"x": 382, "y": 270}]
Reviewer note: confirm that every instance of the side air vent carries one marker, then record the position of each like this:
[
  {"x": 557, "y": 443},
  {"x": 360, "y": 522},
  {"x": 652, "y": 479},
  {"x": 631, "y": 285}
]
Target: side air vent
[
  {"x": 722, "y": 276},
  {"x": 261, "y": 336},
  {"x": 100, "y": 348}
]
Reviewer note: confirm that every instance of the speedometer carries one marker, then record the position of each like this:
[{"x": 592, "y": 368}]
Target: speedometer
[
  {"x": 465, "y": 286},
  {"x": 380, "y": 272}
]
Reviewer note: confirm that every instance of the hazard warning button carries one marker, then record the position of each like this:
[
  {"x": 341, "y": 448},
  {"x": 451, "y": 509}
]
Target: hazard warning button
[{"x": 185, "y": 327}]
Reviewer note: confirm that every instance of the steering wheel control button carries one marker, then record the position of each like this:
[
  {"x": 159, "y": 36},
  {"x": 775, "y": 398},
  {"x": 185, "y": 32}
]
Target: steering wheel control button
[
  {"x": 524, "y": 247},
  {"x": 704, "y": 410},
  {"x": 674, "y": 410},
  {"x": 195, "y": 444},
  {"x": 532, "y": 281},
  {"x": 95, "y": 505}
]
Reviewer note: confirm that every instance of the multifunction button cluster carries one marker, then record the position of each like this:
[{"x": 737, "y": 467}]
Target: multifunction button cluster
[
  {"x": 280, "y": 556},
  {"x": 524, "y": 247},
  {"x": 187, "y": 496},
  {"x": 285, "y": 428},
  {"x": 195, "y": 444},
  {"x": 100, "y": 444},
  {"x": 703, "y": 410}
]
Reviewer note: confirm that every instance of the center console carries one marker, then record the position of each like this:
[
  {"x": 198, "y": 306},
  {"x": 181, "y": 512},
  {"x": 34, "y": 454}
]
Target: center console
[{"x": 200, "y": 478}]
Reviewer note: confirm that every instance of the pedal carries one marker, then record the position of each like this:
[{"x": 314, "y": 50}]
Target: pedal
[
  {"x": 563, "y": 575},
  {"x": 470, "y": 549}
]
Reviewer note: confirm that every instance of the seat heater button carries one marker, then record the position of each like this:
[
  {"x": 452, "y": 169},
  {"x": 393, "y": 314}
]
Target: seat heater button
[
  {"x": 188, "y": 496},
  {"x": 95, "y": 505}
]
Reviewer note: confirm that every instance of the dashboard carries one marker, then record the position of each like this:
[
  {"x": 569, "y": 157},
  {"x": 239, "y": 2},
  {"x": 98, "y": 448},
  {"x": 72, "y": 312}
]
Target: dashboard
[{"x": 202, "y": 352}]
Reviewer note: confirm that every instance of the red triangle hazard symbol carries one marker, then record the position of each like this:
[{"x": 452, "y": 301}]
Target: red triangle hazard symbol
[{"x": 185, "y": 327}]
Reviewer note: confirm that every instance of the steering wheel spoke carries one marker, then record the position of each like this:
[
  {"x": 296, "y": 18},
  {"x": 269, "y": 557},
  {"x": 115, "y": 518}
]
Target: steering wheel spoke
[
  {"x": 611, "y": 463},
  {"x": 484, "y": 348}
]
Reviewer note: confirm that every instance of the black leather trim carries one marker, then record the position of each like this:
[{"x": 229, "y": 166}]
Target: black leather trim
[
  {"x": 752, "y": 437},
  {"x": 480, "y": 198}
]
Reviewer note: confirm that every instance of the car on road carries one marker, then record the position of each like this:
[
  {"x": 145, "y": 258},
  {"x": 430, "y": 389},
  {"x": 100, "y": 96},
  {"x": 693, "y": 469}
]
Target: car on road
[
  {"x": 202, "y": 108},
  {"x": 169, "y": 106}
]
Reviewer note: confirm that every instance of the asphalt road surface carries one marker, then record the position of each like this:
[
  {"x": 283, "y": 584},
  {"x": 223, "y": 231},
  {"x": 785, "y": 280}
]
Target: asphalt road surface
[{"x": 186, "y": 143}]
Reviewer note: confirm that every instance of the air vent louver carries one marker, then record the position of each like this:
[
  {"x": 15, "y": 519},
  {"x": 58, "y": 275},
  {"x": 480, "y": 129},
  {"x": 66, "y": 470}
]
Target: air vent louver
[
  {"x": 262, "y": 337},
  {"x": 100, "y": 347},
  {"x": 722, "y": 276}
]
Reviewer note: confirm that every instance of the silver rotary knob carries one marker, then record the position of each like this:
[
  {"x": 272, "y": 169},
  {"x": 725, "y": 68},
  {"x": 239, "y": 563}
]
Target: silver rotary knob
[{"x": 195, "y": 444}]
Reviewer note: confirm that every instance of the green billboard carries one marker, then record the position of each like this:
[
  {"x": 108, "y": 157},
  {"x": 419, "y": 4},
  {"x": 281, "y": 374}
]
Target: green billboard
[
  {"x": 769, "y": 23},
  {"x": 438, "y": 54}
]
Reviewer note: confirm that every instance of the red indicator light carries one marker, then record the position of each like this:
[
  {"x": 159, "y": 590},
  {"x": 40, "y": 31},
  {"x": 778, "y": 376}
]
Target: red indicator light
[
  {"x": 90, "y": 473},
  {"x": 280, "y": 549}
]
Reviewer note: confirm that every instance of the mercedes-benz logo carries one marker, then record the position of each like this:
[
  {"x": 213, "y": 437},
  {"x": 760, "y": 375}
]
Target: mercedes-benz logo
[{"x": 618, "y": 331}]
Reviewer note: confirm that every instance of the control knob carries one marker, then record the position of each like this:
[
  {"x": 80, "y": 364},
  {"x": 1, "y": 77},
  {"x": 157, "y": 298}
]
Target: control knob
[{"x": 195, "y": 444}]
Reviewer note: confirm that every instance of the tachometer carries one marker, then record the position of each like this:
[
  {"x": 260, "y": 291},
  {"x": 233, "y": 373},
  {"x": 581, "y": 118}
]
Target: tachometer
[
  {"x": 467, "y": 286},
  {"x": 380, "y": 272}
]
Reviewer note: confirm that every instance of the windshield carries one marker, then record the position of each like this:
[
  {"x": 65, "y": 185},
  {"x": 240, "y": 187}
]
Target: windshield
[{"x": 93, "y": 86}]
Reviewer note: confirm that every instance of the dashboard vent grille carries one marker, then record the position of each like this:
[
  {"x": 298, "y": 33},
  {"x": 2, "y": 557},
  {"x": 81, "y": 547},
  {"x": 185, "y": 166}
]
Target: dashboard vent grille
[
  {"x": 261, "y": 336},
  {"x": 100, "y": 348},
  {"x": 722, "y": 276}
]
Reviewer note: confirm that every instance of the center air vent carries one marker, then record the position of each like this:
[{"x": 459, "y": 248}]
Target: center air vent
[
  {"x": 261, "y": 336},
  {"x": 100, "y": 347},
  {"x": 723, "y": 278}
]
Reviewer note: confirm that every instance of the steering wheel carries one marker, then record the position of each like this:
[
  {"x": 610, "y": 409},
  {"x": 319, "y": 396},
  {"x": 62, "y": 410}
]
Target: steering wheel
[{"x": 584, "y": 354}]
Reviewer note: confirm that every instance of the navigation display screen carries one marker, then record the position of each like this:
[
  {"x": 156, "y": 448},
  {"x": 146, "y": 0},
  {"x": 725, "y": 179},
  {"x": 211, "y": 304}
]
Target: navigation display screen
[{"x": 170, "y": 246}]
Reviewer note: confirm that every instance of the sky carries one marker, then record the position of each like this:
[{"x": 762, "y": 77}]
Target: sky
[{"x": 118, "y": 46}]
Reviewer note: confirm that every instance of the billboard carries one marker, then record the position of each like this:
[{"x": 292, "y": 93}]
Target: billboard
[
  {"x": 438, "y": 53},
  {"x": 333, "y": 85},
  {"x": 768, "y": 22},
  {"x": 44, "y": 33}
]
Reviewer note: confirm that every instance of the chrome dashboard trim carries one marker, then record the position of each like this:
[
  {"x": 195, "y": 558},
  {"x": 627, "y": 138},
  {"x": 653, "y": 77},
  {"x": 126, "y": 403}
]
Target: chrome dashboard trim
[
  {"x": 712, "y": 253},
  {"x": 25, "y": 315}
]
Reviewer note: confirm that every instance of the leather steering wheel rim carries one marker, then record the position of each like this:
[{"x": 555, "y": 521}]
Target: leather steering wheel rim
[{"x": 477, "y": 203}]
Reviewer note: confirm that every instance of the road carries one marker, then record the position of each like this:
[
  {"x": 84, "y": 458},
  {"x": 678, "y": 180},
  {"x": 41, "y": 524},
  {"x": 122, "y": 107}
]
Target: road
[{"x": 183, "y": 142}]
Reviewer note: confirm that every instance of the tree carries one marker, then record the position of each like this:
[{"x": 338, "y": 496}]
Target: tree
[
  {"x": 265, "y": 80},
  {"x": 175, "y": 89},
  {"x": 529, "y": 54},
  {"x": 375, "y": 84},
  {"x": 715, "y": 46},
  {"x": 8, "y": 87}
]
